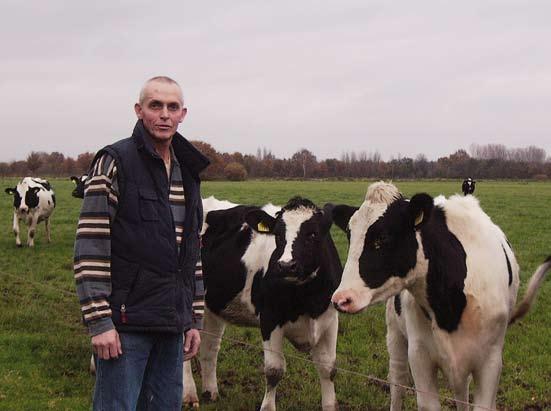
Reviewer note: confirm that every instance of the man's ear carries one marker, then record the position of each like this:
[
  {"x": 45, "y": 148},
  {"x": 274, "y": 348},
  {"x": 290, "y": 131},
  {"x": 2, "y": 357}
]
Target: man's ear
[
  {"x": 419, "y": 209},
  {"x": 260, "y": 221},
  {"x": 138, "y": 110},
  {"x": 342, "y": 214},
  {"x": 184, "y": 112},
  {"x": 10, "y": 190}
]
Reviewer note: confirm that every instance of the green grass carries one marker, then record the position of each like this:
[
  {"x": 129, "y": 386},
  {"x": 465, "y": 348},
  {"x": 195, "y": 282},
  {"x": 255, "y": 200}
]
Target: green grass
[{"x": 44, "y": 350}]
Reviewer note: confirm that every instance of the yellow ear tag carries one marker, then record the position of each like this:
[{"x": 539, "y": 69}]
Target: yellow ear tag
[
  {"x": 262, "y": 228},
  {"x": 419, "y": 219}
]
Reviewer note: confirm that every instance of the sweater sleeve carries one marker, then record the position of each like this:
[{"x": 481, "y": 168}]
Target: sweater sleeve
[
  {"x": 199, "y": 297},
  {"x": 92, "y": 253}
]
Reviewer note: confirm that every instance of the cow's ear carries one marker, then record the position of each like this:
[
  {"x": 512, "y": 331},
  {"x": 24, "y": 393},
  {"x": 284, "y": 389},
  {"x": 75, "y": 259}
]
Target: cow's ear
[
  {"x": 419, "y": 209},
  {"x": 260, "y": 221},
  {"x": 342, "y": 214},
  {"x": 74, "y": 179},
  {"x": 326, "y": 217},
  {"x": 10, "y": 190}
]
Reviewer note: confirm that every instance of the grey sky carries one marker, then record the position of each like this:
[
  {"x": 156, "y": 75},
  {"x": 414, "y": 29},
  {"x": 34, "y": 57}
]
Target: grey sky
[{"x": 398, "y": 77}]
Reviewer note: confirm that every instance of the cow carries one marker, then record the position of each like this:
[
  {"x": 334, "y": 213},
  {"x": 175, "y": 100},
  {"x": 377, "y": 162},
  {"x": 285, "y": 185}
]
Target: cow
[
  {"x": 468, "y": 186},
  {"x": 450, "y": 280},
  {"x": 276, "y": 273},
  {"x": 78, "y": 192},
  {"x": 33, "y": 202}
]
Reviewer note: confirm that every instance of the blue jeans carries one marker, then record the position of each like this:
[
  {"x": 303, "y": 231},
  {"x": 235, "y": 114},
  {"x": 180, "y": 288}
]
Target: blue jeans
[{"x": 147, "y": 376}]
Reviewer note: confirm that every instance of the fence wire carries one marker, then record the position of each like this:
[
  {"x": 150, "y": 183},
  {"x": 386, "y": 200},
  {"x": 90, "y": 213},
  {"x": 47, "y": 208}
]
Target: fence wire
[{"x": 381, "y": 381}]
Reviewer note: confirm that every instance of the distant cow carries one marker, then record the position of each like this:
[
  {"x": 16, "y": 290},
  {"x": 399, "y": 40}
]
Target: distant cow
[
  {"x": 468, "y": 186},
  {"x": 78, "y": 192},
  {"x": 454, "y": 279},
  {"x": 33, "y": 202},
  {"x": 273, "y": 272}
]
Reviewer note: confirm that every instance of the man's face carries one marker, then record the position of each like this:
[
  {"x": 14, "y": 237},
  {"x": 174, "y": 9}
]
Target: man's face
[{"x": 161, "y": 109}]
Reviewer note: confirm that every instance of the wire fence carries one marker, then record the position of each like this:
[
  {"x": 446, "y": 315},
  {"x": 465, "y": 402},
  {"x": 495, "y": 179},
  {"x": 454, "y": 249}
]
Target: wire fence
[{"x": 380, "y": 381}]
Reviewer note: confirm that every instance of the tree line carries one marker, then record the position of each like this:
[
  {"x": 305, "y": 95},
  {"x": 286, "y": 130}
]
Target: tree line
[{"x": 493, "y": 161}]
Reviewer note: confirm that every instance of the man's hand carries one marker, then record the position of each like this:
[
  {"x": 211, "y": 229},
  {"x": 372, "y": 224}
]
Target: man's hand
[
  {"x": 191, "y": 343},
  {"x": 107, "y": 345}
]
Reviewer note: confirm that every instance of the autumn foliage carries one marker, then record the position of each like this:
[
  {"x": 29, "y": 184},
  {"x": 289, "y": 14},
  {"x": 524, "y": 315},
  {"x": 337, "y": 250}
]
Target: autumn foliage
[{"x": 482, "y": 161}]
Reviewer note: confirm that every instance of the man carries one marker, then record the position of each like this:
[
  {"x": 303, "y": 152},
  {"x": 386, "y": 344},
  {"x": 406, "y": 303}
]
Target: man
[{"x": 136, "y": 251}]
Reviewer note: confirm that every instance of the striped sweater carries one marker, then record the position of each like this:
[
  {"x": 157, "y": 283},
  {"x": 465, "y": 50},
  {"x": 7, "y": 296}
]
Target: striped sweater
[{"x": 92, "y": 259}]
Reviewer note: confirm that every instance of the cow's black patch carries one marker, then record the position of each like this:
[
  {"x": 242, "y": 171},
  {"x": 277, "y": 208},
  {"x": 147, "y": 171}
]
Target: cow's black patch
[
  {"x": 16, "y": 199},
  {"x": 224, "y": 244},
  {"x": 31, "y": 197},
  {"x": 509, "y": 269},
  {"x": 398, "y": 304},
  {"x": 390, "y": 247},
  {"x": 273, "y": 376},
  {"x": 446, "y": 272},
  {"x": 44, "y": 184}
]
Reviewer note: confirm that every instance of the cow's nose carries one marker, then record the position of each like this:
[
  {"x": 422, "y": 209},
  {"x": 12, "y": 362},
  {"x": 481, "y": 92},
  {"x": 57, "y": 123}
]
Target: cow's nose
[
  {"x": 343, "y": 301},
  {"x": 23, "y": 209},
  {"x": 288, "y": 266}
]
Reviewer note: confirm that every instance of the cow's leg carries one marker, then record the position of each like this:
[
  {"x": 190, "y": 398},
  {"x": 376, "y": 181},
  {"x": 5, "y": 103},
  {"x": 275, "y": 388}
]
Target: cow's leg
[
  {"x": 32, "y": 231},
  {"x": 213, "y": 329},
  {"x": 274, "y": 368},
  {"x": 16, "y": 230},
  {"x": 398, "y": 368},
  {"x": 190, "y": 390},
  {"x": 324, "y": 354},
  {"x": 486, "y": 378},
  {"x": 424, "y": 373},
  {"x": 459, "y": 383},
  {"x": 48, "y": 233}
]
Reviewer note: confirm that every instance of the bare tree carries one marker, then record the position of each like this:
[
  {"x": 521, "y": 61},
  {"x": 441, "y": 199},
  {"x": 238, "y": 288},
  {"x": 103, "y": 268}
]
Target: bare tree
[{"x": 34, "y": 162}]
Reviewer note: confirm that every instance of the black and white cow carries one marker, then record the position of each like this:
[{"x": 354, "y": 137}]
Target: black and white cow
[
  {"x": 33, "y": 202},
  {"x": 468, "y": 186},
  {"x": 277, "y": 273},
  {"x": 454, "y": 279},
  {"x": 78, "y": 192}
]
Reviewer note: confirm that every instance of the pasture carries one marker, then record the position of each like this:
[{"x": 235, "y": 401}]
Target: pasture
[{"x": 44, "y": 350}]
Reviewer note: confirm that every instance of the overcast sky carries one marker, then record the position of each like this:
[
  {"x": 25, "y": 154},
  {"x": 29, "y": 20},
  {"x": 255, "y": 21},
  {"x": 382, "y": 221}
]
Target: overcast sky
[{"x": 397, "y": 77}]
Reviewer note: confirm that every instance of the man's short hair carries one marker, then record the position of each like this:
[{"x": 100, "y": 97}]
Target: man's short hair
[{"x": 162, "y": 79}]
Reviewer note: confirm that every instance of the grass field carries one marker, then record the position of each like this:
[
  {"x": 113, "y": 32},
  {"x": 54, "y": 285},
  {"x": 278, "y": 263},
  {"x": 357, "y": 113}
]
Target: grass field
[{"x": 44, "y": 350}]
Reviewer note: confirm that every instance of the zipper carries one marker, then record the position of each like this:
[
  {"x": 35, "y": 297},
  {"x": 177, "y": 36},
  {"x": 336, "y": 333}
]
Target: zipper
[{"x": 123, "y": 314}]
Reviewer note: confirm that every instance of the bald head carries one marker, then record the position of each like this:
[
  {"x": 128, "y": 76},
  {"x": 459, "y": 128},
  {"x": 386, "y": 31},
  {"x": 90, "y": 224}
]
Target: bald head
[{"x": 158, "y": 79}]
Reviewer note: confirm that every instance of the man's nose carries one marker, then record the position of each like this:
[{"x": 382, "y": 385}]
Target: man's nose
[{"x": 164, "y": 112}]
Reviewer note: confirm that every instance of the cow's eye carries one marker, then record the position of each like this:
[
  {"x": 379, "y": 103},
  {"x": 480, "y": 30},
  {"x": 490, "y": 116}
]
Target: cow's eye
[{"x": 380, "y": 242}]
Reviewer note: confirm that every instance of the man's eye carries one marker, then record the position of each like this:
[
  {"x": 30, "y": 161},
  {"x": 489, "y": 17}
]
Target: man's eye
[
  {"x": 173, "y": 107},
  {"x": 155, "y": 105}
]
